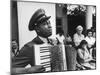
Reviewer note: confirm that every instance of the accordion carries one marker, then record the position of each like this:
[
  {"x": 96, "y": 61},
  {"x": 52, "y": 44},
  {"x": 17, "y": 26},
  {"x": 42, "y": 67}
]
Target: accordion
[{"x": 52, "y": 58}]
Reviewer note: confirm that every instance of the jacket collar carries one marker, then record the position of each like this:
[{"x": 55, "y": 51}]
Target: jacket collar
[{"x": 37, "y": 40}]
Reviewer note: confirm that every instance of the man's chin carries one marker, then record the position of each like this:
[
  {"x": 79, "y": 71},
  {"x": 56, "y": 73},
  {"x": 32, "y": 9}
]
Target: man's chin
[{"x": 48, "y": 35}]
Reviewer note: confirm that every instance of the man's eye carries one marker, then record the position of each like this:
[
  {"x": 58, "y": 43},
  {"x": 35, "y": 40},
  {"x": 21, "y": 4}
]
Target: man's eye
[{"x": 44, "y": 23}]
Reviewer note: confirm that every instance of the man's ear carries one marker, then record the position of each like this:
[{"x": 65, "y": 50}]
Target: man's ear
[{"x": 37, "y": 29}]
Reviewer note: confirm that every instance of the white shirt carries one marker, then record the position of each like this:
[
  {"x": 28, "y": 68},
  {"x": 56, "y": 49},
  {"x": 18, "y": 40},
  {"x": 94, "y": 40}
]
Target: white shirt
[
  {"x": 60, "y": 38},
  {"x": 90, "y": 41},
  {"x": 43, "y": 39},
  {"x": 78, "y": 38}
]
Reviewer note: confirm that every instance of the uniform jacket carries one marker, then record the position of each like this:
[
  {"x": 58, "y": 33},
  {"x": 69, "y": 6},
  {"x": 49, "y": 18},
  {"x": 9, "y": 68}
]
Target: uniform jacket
[{"x": 26, "y": 54}]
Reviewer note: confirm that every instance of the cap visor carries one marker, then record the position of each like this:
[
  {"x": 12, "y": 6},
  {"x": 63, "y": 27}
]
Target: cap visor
[{"x": 44, "y": 19}]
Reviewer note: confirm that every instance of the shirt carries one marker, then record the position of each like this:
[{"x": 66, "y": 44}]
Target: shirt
[
  {"x": 60, "y": 38},
  {"x": 78, "y": 38},
  {"x": 90, "y": 41}
]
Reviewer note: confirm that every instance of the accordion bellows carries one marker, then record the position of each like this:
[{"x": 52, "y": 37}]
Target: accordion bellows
[{"x": 56, "y": 59}]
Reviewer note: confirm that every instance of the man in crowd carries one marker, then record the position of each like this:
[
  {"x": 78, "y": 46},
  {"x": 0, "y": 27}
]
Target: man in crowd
[{"x": 15, "y": 49}]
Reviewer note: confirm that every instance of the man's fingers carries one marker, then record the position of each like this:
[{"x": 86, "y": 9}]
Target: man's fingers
[{"x": 40, "y": 68}]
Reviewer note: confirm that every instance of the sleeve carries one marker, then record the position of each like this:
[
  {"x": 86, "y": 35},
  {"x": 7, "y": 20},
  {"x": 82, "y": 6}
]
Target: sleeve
[
  {"x": 80, "y": 54},
  {"x": 86, "y": 39},
  {"x": 24, "y": 57}
]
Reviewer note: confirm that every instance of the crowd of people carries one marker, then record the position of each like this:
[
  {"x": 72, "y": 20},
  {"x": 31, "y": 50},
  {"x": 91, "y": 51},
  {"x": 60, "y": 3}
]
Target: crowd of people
[{"x": 85, "y": 46}]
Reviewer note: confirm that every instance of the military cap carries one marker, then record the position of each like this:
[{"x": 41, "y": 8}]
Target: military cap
[{"x": 37, "y": 18}]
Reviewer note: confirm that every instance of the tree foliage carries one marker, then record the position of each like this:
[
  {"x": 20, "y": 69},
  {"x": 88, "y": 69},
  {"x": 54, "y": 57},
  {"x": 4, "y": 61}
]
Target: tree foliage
[{"x": 76, "y": 10}]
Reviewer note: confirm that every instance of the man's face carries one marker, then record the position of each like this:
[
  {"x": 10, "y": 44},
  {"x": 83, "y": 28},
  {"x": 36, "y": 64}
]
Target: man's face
[
  {"x": 14, "y": 45},
  {"x": 45, "y": 29}
]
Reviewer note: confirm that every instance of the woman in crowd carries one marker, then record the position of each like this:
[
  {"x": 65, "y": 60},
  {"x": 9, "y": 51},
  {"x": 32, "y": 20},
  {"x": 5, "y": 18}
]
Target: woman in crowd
[
  {"x": 94, "y": 46},
  {"x": 90, "y": 40},
  {"x": 84, "y": 58},
  {"x": 78, "y": 36}
]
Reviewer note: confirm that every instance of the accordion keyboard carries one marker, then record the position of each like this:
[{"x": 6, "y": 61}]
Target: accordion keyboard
[{"x": 42, "y": 56}]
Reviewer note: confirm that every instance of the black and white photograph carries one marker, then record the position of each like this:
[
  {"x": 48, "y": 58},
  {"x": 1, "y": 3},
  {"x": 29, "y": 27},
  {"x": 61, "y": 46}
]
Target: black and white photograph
[{"x": 52, "y": 37}]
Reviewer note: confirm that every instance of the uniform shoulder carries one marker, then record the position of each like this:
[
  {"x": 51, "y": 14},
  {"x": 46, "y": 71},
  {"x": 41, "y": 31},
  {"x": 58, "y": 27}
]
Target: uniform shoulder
[{"x": 30, "y": 44}]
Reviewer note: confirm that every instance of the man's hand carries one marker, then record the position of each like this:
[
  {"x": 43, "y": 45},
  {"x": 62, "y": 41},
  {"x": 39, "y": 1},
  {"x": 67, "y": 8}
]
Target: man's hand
[
  {"x": 36, "y": 69},
  {"x": 33, "y": 69}
]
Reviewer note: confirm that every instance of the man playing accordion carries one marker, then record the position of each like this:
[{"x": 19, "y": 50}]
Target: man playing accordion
[{"x": 29, "y": 53}]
